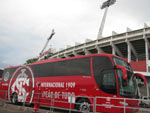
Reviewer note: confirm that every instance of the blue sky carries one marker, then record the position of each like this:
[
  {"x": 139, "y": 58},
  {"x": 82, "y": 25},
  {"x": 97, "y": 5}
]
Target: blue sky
[{"x": 25, "y": 25}]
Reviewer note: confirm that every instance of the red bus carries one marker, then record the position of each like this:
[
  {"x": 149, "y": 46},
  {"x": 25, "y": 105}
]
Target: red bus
[{"x": 80, "y": 77}]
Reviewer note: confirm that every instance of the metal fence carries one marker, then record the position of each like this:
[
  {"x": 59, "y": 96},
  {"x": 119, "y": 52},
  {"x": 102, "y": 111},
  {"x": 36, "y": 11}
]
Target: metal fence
[{"x": 86, "y": 104}]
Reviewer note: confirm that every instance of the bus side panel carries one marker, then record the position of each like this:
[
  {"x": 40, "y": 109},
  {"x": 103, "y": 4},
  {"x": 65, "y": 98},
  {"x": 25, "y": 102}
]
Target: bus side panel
[
  {"x": 62, "y": 90},
  {"x": 6, "y": 76}
]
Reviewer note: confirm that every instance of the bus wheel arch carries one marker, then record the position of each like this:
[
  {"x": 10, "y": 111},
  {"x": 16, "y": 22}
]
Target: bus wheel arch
[
  {"x": 14, "y": 98},
  {"x": 83, "y": 104}
]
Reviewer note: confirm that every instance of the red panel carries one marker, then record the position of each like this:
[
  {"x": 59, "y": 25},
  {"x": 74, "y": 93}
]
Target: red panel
[{"x": 139, "y": 65}]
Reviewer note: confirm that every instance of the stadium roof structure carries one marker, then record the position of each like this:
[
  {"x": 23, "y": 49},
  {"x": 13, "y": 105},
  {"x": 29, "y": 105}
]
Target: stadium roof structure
[{"x": 133, "y": 45}]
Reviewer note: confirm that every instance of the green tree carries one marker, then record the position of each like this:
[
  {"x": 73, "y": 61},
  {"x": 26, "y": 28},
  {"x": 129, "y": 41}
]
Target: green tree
[{"x": 31, "y": 60}]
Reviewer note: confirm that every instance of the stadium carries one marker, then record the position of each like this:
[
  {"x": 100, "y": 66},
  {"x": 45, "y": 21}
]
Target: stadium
[{"x": 133, "y": 45}]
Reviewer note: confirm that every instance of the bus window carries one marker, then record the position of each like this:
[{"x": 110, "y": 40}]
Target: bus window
[
  {"x": 101, "y": 63},
  {"x": 74, "y": 67},
  {"x": 121, "y": 62},
  {"x": 108, "y": 83},
  {"x": 126, "y": 89},
  {"x": 1, "y": 72}
]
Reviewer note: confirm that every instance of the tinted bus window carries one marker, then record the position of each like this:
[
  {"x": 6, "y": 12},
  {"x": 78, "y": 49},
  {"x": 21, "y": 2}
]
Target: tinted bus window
[
  {"x": 101, "y": 64},
  {"x": 108, "y": 82},
  {"x": 1, "y": 72},
  {"x": 63, "y": 68}
]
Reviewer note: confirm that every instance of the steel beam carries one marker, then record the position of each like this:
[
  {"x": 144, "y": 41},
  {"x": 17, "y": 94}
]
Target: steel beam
[
  {"x": 87, "y": 52},
  {"x": 147, "y": 53},
  {"x": 116, "y": 50},
  {"x": 99, "y": 50},
  {"x": 129, "y": 52},
  {"x": 67, "y": 56},
  {"x": 132, "y": 48},
  {"x": 75, "y": 54}
]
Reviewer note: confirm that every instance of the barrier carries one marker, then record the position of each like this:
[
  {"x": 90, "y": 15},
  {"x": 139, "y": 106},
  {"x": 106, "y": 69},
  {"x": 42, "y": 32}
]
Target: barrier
[{"x": 53, "y": 101}]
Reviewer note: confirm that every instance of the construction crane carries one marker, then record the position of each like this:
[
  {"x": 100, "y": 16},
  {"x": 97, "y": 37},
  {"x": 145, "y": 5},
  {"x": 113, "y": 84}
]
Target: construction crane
[{"x": 42, "y": 53}]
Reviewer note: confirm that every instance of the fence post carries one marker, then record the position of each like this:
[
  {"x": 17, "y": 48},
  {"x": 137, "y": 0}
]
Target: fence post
[
  {"x": 94, "y": 106},
  {"x": 24, "y": 99},
  {"x": 6, "y": 95},
  {"x": 1, "y": 101},
  {"x": 51, "y": 106},
  {"x": 70, "y": 103},
  {"x": 124, "y": 105},
  {"x": 5, "y": 98}
]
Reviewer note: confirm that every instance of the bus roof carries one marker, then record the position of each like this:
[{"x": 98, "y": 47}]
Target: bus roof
[{"x": 62, "y": 59}]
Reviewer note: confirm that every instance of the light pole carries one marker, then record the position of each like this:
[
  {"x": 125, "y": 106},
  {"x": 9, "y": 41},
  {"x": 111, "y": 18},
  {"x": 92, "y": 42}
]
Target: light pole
[
  {"x": 50, "y": 37},
  {"x": 105, "y": 6},
  {"x": 42, "y": 53}
]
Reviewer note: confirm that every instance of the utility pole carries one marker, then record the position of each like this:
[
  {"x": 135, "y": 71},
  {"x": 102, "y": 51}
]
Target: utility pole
[{"x": 105, "y": 6}]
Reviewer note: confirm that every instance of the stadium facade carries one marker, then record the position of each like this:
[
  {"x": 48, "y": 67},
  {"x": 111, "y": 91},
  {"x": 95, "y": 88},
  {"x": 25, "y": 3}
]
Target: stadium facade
[{"x": 133, "y": 45}]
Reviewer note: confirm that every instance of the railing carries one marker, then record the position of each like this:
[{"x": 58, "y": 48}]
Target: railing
[{"x": 84, "y": 104}]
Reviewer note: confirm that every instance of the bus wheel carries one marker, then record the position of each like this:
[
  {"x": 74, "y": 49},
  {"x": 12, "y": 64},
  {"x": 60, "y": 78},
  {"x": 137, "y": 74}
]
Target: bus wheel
[
  {"x": 83, "y": 105},
  {"x": 14, "y": 99}
]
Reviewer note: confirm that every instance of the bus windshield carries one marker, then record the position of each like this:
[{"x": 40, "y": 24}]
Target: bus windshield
[{"x": 126, "y": 88}]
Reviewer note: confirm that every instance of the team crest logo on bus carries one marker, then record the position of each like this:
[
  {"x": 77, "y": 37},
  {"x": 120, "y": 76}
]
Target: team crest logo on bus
[{"x": 21, "y": 84}]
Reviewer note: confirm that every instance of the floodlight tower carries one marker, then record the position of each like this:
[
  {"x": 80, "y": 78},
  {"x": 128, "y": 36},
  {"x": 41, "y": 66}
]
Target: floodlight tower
[
  {"x": 105, "y": 6},
  {"x": 50, "y": 37}
]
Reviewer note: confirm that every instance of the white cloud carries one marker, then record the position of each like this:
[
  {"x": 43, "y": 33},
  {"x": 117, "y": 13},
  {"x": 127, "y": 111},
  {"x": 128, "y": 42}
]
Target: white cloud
[{"x": 25, "y": 25}]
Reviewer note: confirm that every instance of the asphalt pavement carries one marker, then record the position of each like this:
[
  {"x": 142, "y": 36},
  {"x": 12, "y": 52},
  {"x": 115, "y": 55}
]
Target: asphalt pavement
[{"x": 9, "y": 108}]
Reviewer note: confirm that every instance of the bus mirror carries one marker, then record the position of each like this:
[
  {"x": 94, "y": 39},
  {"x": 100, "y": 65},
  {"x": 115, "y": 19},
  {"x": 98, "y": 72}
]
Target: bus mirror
[
  {"x": 141, "y": 76},
  {"x": 123, "y": 70}
]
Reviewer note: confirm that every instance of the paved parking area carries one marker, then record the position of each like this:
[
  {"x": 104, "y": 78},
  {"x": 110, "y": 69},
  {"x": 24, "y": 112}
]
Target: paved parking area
[{"x": 9, "y": 108}]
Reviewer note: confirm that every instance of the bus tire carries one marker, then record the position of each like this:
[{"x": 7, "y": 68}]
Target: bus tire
[
  {"x": 14, "y": 99},
  {"x": 83, "y": 105}
]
